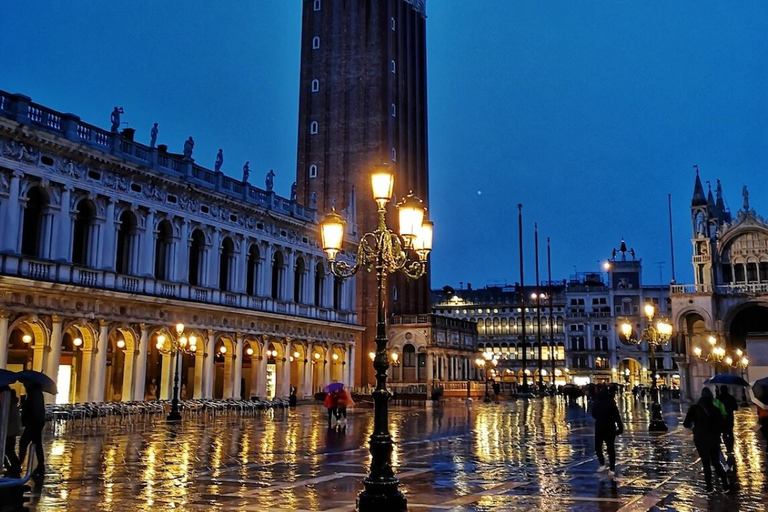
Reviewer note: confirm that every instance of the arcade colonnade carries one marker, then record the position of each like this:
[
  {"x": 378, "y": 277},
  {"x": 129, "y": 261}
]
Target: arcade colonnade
[{"x": 109, "y": 360}]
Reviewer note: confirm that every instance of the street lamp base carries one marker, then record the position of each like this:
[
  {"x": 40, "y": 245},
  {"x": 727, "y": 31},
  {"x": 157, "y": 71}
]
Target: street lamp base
[
  {"x": 389, "y": 499},
  {"x": 658, "y": 426},
  {"x": 173, "y": 417}
]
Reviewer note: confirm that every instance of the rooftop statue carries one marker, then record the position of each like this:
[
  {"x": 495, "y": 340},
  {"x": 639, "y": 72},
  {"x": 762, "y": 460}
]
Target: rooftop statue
[
  {"x": 189, "y": 145},
  {"x": 153, "y": 136},
  {"x": 745, "y": 194},
  {"x": 115, "y": 118},
  {"x": 293, "y": 192},
  {"x": 313, "y": 200},
  {"x": 270, "y": 180},
  {"x": 246, "y": 171},
  {"x": 219, "y": 160}
]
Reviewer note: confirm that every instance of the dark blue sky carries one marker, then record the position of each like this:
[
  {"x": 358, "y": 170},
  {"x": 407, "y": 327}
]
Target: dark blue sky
[{"x": 589, "y": 113}]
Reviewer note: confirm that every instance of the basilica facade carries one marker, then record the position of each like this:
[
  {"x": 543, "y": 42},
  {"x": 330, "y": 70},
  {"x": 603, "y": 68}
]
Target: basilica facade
[{"x": 107, "y": 244}]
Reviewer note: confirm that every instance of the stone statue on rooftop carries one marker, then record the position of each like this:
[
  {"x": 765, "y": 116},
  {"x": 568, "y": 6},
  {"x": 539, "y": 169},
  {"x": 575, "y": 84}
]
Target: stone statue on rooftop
[
  {"x": 153, "y": 136},
  {"x": 270, "y": 180},
  {"x": 189, "y": 145},
  {"x": 313, "y": 200},
  {"x": 219, "y": 160},
  {"x": 115, "y": 118},
  {"x": 246, "y": 171},
  {"x": 293, "y": 192},
  {"x": 745, "y": 194}
]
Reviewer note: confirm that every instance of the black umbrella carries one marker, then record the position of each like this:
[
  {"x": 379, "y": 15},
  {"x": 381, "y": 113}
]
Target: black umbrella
[
  {"x": 727, "y": 379},
  {"x": 7, "y": 378},
  {"x": 28, "y": 377},
  {"x": 759, "y": 393}
]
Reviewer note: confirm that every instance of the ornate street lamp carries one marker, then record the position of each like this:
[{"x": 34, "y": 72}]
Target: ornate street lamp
[
  {"x": 181, "y": 344},
  {"x": 741, "y": 362},
  {"x": 714, "y": 355},
  {"x": 489, "y": 360},
  {"x": 655, "y": 336},
  {"x": 384, "y": 252}
]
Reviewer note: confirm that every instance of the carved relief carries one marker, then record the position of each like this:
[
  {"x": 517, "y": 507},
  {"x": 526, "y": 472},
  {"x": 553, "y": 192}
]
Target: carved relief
[{"x": 69, "y": 168}]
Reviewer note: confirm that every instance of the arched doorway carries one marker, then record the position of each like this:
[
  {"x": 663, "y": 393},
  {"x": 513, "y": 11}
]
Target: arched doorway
[
  {"x": 278, "y": 268},
  {"x": 196, "y": 258},
  {"x": 298, "y": 367},
  {"x": 751, "y": 321},
  {"x": 127, "y": 245},
  {"x": 163, "y": 251},
  {"x": 226, "y": 264},
  {"x": 630, "y": 373},
  {"x": 318, "y": 368},
  {"x": 84, "y": 236},
  {"x": 223, "y": 367},
  {"x": 337, "y": 365}
]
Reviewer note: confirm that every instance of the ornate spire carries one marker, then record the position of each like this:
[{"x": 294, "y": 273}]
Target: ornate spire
[{"x": 699, "y": 199}]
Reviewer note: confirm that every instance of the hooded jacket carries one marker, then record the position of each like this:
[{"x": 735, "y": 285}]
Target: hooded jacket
[{"x": 704, "y": 418}]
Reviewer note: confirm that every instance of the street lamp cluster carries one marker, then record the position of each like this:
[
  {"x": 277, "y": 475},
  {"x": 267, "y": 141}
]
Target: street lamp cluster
[
  {"x": 488, "y": 362},
  {"x": 655, "y": 336},
  {"x": 716, "y": 354},
  {"x": 384, "y": 252},
  {"x": 175, "y": 346}
]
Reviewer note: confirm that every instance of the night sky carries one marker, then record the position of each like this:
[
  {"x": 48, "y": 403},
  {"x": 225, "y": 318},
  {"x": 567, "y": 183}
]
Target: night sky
[{"x": 587, "y": 112}]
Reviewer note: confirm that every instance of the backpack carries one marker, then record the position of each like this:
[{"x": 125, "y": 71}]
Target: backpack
[{"x": 717, "y": 403}]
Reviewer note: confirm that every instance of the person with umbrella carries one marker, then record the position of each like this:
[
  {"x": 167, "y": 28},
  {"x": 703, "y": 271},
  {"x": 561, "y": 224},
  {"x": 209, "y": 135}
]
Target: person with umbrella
[
  {"x": 758, "y": 393},
  {"x": 707, "y": 424},
  {"x": 332, "y": 401},
  {"x": 343, "y": 400},
  {"x": 11, "y": 462},
  {"x": 33, "y": 415}
]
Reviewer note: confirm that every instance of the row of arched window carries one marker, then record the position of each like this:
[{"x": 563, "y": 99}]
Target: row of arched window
[{"x": 36, "y": 242}]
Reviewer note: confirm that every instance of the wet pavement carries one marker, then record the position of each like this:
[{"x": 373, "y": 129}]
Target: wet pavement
[{"x": 523, "y": 455}]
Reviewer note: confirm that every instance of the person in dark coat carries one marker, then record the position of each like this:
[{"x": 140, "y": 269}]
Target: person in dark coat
[
  {"x": 11, "y": 462},
  {"x": 607, "y": 426},
  {"x": 33, "y": 419},
  {"x": 730, "y": 404},
  {"x": 496, "y": 390},
  {"x": 707, "y": 423}
]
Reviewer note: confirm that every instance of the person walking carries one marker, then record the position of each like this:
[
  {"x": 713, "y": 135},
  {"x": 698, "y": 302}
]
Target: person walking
[
  {"x": 608, "y": 425},
  {"x": 33, "y": 419},
  {"x": 730, "y": 405},
  {"x": 343, "y": 400},
  {"x": 332, "y": 403},
  {"x": 12, "y": 463},
  {"x": 496, "y": 390},
  {"x": 707, "y": 423}
]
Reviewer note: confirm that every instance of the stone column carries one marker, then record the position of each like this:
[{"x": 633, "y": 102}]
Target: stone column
[
  {"x": 63, "y": 231},
  {"x": 130, "y": 358},
  {"x": 4, "y": 319},
  {"x": 685, "y": 392},
  {"x": 289, "y": 274},
  {"x": 254, "y": 374},
  {"x": 238, "y": 362},
  {"x": 327, "y": 368},
  {"x": 100, "y": 364},
  {"x": 148, "y": 245},
  {"x": 86, "y": 369},
  {"x": 265, "y": 281},
  {"x": 54, "y": 355},
  {"x": 142, "y": 350},
  {"x": 212, "y": 269},
  {"x": 308, "y": 390},
  {"x": 430, "y": 370},
  {"x": 38, "y": 360},
  {"x": 285, "y": 378},
  {"x": 262, "y": 380},
  {"x": 240, "y": 270},
  {"x": 199, "y": 370},
  {"x": 208, "y": 373},
  {"x": 181, "y": 261},
  {"x": 11, "y": 225},
  {"x": 110, "y": 233}
]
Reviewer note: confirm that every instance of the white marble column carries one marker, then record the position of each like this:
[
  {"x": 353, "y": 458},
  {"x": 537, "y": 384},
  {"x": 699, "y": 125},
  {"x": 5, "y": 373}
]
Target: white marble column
[
  {"x": 63, "y": 224},
  {"x": 166, "y": 376},
  {"x": 131, "y": 355},
  {"x": 199, "y": 370},
  {"x": 211, "y": 271},
  {"x": 254, "y": 375},
  {"x": 262, "y": 380},
  {"x": 240, "y": 270},
  {"x": 285, "y": 378},
  {"x": 430, "y": 368},
  {"x": 4, "y": 320},
  {"x": 54, "y": 356},
  {"x": 110, "y": 237},
  {"x": 327, "y": 368},
  {"x": 307, "y": 391},
  {"x": 147, "y": 248},
  {"x": 11, "y": 224},
  {"x": 265, "y": 281},
  {"x": 142, "y": 350},
  {"x": 208, "y": 372},
  {"x": 238, "y": 361},
  {"x": 181, "y": 261},
  {"x": 96, "y": 393},
  {"x": 86, "y": 370}
]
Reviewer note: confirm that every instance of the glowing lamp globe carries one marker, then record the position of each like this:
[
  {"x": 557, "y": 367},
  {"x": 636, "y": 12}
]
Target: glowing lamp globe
[
  {"x": 332, "y": 231},
  {"x": 382, "y": 184},
  {"x": 411, "y": 215}
]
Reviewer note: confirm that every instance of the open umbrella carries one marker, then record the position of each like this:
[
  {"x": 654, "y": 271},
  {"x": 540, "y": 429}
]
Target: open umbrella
[
  {"x": 727, "y": 379},
  {"x": 334, "y": 386},
  {"x": 758, "y": 393},
  {"x": 7, "y": 377},
  {"x": 27, "y": 377}
]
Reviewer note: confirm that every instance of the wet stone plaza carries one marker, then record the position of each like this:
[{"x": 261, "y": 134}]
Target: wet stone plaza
[{"x": 522, "y": 455}]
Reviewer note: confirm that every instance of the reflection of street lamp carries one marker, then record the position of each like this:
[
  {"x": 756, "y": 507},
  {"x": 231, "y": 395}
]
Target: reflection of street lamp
[
  {"x": 655, "y": 336},
  {"x": 176, "y": 346},
  {"x": 741, "y": 362},
  {"x": 386, "y": 252},
  {"x": 537, "y": 298}
]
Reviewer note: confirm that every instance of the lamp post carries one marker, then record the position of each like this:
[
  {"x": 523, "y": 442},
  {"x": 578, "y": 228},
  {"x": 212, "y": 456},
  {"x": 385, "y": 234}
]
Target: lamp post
[
  {"x": 384, "y": 252},
  {"x": 655, "y": 336},
  {"x": 489, "y": 360},
  {"x": 714, "y": 354},
  {"x": 175, "y": 347}
]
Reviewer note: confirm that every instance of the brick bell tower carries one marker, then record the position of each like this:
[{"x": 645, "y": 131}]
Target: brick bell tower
[{"x": 363, "y": 101}]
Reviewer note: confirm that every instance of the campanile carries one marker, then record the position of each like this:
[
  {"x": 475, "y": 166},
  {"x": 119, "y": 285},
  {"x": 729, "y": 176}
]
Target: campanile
[{"x": 363, "y": 101}]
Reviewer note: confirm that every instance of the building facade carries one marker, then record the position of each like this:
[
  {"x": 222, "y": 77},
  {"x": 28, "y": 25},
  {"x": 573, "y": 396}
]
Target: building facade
[
  {"x": 498, "y": 313},
  {"x": 108, "y": 243},
  {"x": 362, "y": 102},
  {"x": 727, "y": 305}
]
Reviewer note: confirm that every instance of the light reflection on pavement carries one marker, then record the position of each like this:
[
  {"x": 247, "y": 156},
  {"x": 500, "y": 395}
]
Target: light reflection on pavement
[{"x": 523, "y": 455}]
